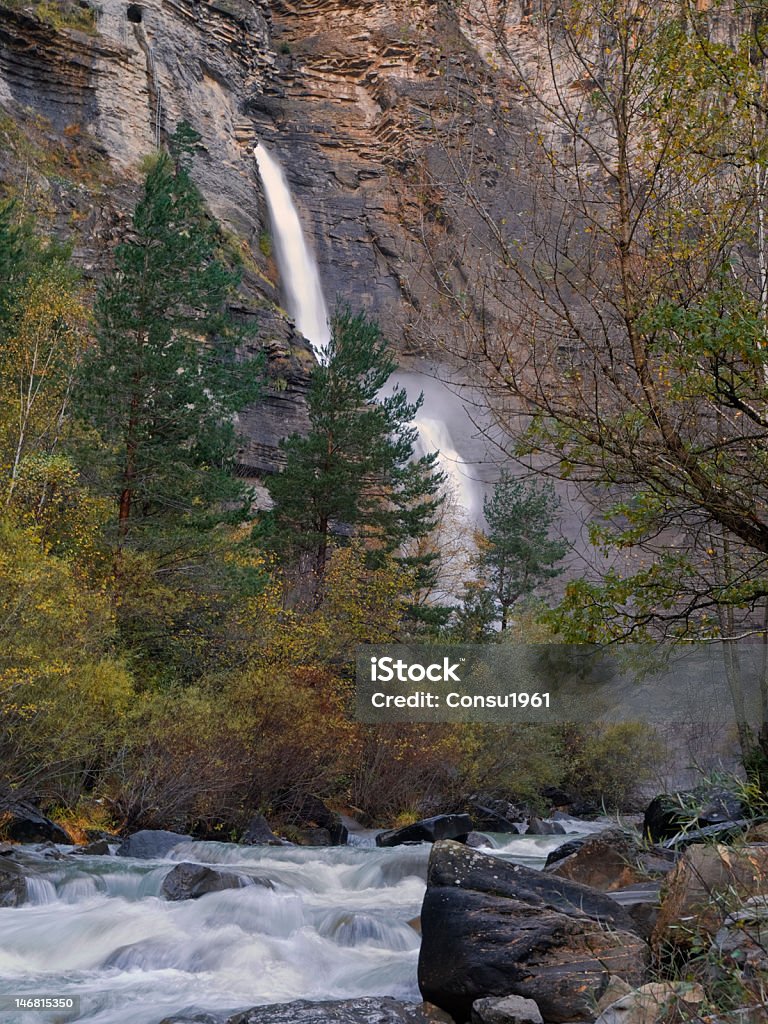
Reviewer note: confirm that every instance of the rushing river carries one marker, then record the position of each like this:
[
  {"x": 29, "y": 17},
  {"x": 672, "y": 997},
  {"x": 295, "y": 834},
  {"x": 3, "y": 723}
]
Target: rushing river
[{"x": 335, "y": 925}]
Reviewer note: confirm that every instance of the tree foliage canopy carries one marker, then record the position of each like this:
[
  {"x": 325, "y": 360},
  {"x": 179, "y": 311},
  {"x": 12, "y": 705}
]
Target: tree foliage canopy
[
  {"x": 164, "y": 381},
  {"x": 355, "y": 472},
  {"x": 516, "y": 552},
  {"x": 619, "y": 319}
]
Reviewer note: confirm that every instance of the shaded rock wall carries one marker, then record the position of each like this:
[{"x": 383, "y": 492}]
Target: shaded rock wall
[{"x": 351, "y": 97}]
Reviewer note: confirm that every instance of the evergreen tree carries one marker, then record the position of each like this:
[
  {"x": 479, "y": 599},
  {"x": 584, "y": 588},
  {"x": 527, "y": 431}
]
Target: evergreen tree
[
  {"x": 355, "y": 471},
  {"x": 472, "y": 621},
  {"x": 163, "y": 383},
  {"x": 516, "y": 553}
]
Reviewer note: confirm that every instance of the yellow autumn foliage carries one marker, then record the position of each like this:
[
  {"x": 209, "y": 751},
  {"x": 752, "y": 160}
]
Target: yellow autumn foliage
[
  {"x": 358, "y": 605},
  {"x": 38, "y": 360},
  {"x": 62, "y": 695}
]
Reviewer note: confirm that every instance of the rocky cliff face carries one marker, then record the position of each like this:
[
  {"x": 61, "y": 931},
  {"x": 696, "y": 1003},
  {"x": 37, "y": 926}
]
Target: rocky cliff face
[{"x": 351, "y": 96}]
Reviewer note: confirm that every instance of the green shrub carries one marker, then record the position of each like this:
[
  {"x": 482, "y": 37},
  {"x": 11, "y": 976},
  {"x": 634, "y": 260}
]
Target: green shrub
[
  {"x": 402, "y": 772},
  {"x": 60, "y": 14},
  {"x": 610, "y": 763},
  {"x": 265, "y": 244},
  {"x": 513, "y": 761}
]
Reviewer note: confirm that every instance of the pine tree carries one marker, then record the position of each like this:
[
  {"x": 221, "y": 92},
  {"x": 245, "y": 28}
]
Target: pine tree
[
  {"x": 163, "y": 383},
  {"x": 516, "y": 553},
  {"x": 355, "y": 472},
  {"x": 474, "y": 617}
]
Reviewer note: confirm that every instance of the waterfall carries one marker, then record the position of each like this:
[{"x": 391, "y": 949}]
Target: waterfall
[
  {"x": 442, "y": 414},
  {"x": 297, "y": 266},
  {"x": 435, "y": 437},
  {"x": 445, "y": 427}
]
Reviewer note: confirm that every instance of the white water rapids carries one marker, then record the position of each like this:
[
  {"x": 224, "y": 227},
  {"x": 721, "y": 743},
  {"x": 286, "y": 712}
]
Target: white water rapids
[{"x": 335, "y": 926}]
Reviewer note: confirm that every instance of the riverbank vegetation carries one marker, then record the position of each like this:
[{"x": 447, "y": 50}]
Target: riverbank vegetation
[{"x": 616, "y": 315}]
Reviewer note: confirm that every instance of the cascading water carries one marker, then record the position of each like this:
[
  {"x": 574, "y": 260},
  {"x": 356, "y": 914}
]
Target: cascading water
[
  {"x": 435, "y": 437},
  {"x": 306, "y": 304},
  {"x": 308, "y": 924},
  {"x": 333, "y": 925},
  {"x": 445, "y": 427},
  {"x": 297, "y": 266}
]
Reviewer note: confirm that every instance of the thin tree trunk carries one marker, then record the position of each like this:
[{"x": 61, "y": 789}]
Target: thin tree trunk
[
  {"x": 25, "y": 409},
  {"x": 129, "y": 472},
  {"x": 731, "y": 660}
]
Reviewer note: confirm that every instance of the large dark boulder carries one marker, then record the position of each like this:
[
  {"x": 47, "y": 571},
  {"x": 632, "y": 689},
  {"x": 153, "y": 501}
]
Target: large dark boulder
[
  {"x": 13, "y": 884},
  {"x": 428, "y": 830},
  {"x": 490, "y": 814},
  {"x": 490, "y": 928},
  {"x": 190, "y": 881},
  {"x": 26, "y": 824},
  {"x": 664, "y": 817},
  {"x": 669, "y": 814},
  {"x": 151, "y": 844}
]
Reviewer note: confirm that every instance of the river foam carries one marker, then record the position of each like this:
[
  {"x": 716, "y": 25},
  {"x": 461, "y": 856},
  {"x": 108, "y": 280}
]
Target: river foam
[{"x": 335, "y": 925}]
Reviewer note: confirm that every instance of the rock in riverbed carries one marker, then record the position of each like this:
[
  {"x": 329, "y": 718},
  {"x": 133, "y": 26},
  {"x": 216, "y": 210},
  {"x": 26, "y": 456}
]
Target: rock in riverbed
[
  {"x": 509, "y": 1010},
  {"x": 428, "y": 830},
  {"x": 151, "y": 843},
  {"x": 26, "y": 824},
  {"x": 491, "y": 928},
  {"x": 346, "y": 1011},
  {"x": 13, "y": 884},
  {"x": 670, "y": 814},
  {"x": 543, "y": 827},
  {"x": 258, "y": 833},
  {"x": 492, "y": 815},
  {"x": 190, "y": 881},
  {"x": 608, "y": 860},
  {"x": 98, "y": 848}
]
